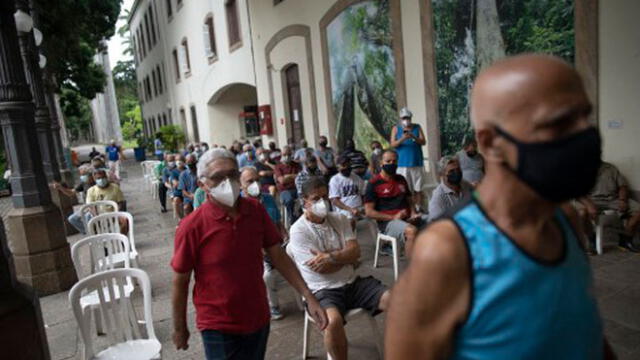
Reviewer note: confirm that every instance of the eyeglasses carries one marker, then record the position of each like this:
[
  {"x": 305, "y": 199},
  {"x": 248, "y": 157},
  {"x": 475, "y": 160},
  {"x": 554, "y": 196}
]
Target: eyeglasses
[{"x": 220, "y": 176}]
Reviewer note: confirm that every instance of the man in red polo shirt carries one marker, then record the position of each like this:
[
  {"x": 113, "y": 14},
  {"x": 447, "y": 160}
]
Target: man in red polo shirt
[
  {"x": 388, "y": 200},
  {"x": 285, "y": 174},
  {"x": 222, "y": 244}
]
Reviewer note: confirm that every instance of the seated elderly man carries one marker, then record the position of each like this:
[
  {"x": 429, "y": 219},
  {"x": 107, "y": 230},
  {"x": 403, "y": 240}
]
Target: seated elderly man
[
  {"x": 86, "y": 182},
  {"x": 188, "y": 184},
  {"x": 388, "y": 200},
  {"x": 250, "y": 185},
  {"x": 451, "y": 191},
  {"x": 471, "y": 161},
  {"x": 611, "y": 192},
  {"x": 346, "y": 190},
  {"x": 222, "y": 245},
  {"x": 310, "y": 169},
  {"x": 326, "y": 252}
]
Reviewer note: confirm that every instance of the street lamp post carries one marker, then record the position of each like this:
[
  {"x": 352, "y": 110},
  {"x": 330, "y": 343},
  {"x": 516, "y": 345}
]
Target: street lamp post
[
  {"x": 31, "y": 59},
  {"x": 63, "y": 164},
  {"x": 37, "y": 238}
]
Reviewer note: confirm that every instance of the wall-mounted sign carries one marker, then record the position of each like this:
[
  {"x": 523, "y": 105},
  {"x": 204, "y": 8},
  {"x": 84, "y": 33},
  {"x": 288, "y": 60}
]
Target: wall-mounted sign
[{"x": 296, "y": 115}]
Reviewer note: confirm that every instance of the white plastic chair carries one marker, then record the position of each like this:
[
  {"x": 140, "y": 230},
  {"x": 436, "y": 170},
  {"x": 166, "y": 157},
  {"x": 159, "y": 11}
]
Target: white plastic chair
[
  {"x": 97, "y": 208},
  {"x": 110, "y": 223},
  {"x": 125, "y": 338},
  {"x": 103, "y": 250},
  {"x": 603, "y": 220},
  {"x": 351, "y": 315},
  {"x": 394, "y": 247}
]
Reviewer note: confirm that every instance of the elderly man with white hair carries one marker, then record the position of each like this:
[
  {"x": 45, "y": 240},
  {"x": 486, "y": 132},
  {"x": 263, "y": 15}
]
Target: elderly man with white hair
[
  {"x": 451, "y": 191},
  {"x": 222, "y": 244}
]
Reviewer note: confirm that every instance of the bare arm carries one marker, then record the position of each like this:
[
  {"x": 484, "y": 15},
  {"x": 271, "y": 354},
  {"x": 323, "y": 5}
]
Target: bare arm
[
  {"x": 431, "y": 298},
  {"x": 283, "y": 263},
  {"x": 371, "y": 212},
  {"x": 339, "y": 204},
  {"x": 421, "y": 139},
  {"x": 179, "y": 297}
]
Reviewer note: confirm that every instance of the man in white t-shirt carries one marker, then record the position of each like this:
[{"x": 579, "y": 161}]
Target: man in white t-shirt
[
  {"x": 325, "y": 250},
  {"x": 346, "y": 190}
]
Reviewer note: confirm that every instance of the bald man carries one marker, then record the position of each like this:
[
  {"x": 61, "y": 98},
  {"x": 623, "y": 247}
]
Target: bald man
[{"x": 504, "y": 277}]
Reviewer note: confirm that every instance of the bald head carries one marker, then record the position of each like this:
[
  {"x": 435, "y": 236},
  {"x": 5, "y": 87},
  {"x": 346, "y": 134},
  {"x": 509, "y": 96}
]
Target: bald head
[{"x": 525, "y": 92}]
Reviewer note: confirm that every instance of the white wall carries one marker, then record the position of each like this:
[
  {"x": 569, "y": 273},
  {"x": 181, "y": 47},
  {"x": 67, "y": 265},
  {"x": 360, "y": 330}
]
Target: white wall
[
  {"x": 619, "y": 88},
  {"x": 223, "y": 125},
  {"x": 206, "y": 78}
]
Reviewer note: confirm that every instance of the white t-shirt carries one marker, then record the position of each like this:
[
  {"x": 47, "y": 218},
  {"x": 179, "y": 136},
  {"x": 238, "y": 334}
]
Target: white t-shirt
[
  {"x": 331, "y": 235},
  {"x": 349, "y": 190}
]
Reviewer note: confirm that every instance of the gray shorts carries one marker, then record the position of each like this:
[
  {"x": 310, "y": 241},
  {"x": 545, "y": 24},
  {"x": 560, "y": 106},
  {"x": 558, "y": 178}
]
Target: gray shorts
[
  {"x": 362, "y": 293},
  {"x": 394, "y": 228}
]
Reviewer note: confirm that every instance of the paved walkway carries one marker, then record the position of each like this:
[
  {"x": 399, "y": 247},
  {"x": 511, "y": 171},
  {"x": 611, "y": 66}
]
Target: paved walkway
[{"x": 617, "y": 286}]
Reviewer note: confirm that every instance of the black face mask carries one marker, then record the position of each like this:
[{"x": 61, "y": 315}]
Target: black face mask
[
  {"x": 323, "y": 143},
  {"x": 472, "y": 153},
  {"x": 562, "y": 169},
  {"x": 454, "y": 177},
  {"x": 346, "y": 172},
  {"x": 390, "y": 169},
  {"x": 191, "y": 166}
]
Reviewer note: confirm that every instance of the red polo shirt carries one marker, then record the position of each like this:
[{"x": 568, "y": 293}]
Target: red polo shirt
[
  {"x": 286, "y": 169},
  {"x": 225, "y": 255}
]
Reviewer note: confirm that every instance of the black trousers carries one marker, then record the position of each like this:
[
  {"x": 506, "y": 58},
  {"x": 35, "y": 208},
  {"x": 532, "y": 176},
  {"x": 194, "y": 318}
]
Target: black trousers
[{"x": 162, "y": 195}]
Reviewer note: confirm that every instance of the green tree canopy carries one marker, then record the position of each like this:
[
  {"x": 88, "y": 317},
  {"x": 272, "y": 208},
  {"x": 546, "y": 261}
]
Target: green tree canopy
[{"x": 73, "y": 31}]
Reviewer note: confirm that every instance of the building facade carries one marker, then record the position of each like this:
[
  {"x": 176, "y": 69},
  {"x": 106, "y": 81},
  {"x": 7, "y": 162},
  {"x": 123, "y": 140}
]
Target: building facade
[
  {"x": 194, "y": 66},
  {"x": 291, "y": 69}
]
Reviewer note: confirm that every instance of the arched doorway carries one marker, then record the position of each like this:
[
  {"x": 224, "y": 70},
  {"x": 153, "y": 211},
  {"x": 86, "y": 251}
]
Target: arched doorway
[
  {"x": 232, "y": 114},
  {"x": 294, "y": 101}
]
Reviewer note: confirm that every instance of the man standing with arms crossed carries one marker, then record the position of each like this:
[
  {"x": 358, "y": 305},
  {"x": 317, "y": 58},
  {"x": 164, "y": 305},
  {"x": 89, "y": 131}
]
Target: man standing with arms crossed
[{"x": 505, "y": 276}]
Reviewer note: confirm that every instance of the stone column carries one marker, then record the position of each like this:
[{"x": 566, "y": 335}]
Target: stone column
[
  {"x": 30, "y": 60},
  {"x": 37, "y": 239}
]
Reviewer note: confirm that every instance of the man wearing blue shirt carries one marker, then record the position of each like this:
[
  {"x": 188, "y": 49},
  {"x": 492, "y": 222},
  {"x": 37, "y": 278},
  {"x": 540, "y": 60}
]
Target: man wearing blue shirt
[
  {"x": 247, "y": 158},
  {"x": 114, "y": 154},
  {"x": 189, "y": 184},
  {"x": 407, "y": 138},
  {"x": 171, "y": 179}
]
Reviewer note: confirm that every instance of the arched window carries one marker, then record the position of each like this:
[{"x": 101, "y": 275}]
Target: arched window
[
  {"x": 209, "y": 38},
  {"x": 184, "y": 56}
]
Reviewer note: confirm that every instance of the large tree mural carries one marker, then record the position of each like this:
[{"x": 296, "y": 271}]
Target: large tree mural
[
  {"x": 471, "y": 34},
  {"x": 362, "y": 69}
]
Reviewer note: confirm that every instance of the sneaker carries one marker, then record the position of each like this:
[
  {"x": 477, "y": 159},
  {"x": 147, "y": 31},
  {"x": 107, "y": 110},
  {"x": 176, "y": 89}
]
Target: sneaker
[
  {"x": 276, "y": 314},
  {"x": 627, "y": 245},
  {"x": 386, "y": 250}
]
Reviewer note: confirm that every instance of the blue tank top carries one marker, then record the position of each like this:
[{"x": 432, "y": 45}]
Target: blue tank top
[
  {"x": 523, "y": 308},
  {"x": 409, "y": 152}
]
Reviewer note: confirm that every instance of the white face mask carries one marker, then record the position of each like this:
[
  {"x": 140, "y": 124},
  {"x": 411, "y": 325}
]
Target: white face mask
[
  {"x": 406, "y": 122},
  {"x": 180, "y": 163},
  {"x": 262, "y": 157},
  {"x": 284, "y": 159},
  {"x": 226, "y": 192},
  {"x": 102, "y": 182},
  {"x": 254, "y": 189},
  {"x": 320, "y": 208}
]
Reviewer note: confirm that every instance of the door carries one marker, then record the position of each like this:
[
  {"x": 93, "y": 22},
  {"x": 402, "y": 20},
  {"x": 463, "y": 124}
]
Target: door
[{"x": 295, "y": 103}]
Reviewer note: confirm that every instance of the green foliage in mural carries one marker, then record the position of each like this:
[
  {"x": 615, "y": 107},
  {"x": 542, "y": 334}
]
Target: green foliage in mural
[
  {"x": 544, "y": 26},
  {"x": 362, "y": 73}
]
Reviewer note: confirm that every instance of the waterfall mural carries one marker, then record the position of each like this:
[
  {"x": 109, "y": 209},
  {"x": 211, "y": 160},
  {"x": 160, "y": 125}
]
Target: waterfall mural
[{"x": 362, "y": 68}]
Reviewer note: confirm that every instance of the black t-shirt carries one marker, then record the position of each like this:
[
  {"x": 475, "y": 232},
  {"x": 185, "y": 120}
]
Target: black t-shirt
[{"x": 265, "y": 180}]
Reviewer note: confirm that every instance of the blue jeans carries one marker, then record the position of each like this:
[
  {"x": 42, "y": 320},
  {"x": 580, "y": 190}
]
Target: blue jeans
[
  {"x": 221, "y": 346},
  {"x": 288, "y": 199},
  {"x": 75, "y": 220}
]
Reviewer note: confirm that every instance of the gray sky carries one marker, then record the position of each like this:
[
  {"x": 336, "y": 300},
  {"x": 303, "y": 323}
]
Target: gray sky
[{"x": 115, "y": 43}]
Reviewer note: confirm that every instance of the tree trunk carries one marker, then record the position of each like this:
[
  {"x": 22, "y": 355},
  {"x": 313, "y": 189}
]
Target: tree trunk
[
  {"x": 367, "y": 102},
  {"x": 346, "y": 122},
  {"x": 489, "y": 42}
]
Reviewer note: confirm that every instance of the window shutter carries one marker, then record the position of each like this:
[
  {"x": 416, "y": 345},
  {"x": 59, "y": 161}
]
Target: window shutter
[
  {"x": 206, "y": 38},
  {"x": 182, "y": 56}
]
